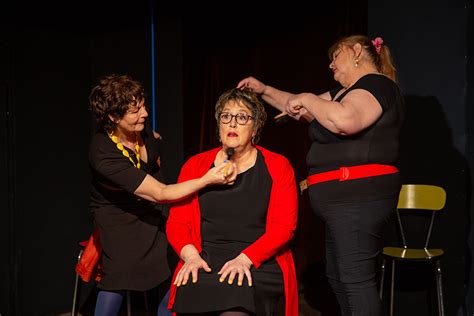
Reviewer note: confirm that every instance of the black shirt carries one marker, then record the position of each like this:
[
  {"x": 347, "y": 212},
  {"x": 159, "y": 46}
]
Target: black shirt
[{"x": 377, "y": 144}]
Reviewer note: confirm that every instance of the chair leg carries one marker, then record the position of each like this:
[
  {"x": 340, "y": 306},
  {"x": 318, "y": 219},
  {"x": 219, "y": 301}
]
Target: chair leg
[
  {"x": 129, "y": 304},
  {"x": 382, "y": 278},
  {"x": 75, "y": 297},
  {"x": 392, "y": 287},
  {"x": 439, "y": 288}
]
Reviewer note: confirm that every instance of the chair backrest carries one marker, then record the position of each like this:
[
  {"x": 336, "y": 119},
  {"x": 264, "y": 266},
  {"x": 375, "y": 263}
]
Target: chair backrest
[{"x": 420, "y": 197}]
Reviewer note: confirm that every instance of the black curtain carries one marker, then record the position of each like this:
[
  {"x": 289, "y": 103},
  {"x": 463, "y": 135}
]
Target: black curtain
[{"x": 51, "y": 56}]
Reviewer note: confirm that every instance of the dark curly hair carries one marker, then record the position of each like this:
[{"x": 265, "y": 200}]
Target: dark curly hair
[
  {"x": 113, "y": 96},
  {"x": 251, "y": 101}
]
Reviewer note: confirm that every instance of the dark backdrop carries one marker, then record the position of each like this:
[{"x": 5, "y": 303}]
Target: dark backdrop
[
  {"x": 52, "y": 55},
  {"x": 50, "y": 61},
  {"x": 469, "y": 102},
  {"x": 286, "y": 49},
  {"x": 429, "y": 41}
]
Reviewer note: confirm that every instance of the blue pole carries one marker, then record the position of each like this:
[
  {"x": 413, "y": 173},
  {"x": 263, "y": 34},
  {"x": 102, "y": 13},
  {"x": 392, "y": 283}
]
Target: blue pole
[{"x": 153, "y": 94}]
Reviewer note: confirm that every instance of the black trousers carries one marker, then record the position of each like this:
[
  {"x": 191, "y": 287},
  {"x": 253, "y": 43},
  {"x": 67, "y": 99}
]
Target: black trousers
[{"x": 353, "y": 243}]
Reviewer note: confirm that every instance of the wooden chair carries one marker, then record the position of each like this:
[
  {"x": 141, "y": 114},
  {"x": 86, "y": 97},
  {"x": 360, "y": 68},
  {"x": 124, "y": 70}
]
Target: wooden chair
[{"x": 419, "y": 198}]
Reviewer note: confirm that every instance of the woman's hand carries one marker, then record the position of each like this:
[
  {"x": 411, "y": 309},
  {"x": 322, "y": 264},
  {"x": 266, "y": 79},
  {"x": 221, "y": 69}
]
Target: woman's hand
[
  {"x": 301, "y": 113},
  {"x": 225, "y": 173},
  {"x": 295, "y": 105},
  {"x": 295, "y": 108},
  {"x": 240, "y": 267},
  {"x": 192, "y": 264},
  {"x": 252, "y": 84}
]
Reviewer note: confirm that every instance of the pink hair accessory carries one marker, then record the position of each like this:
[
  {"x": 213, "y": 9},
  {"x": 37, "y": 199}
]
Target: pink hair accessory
[{"x": 377, "y": 42}]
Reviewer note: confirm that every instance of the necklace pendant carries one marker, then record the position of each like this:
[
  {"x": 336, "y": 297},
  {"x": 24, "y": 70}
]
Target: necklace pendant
[{"x": 124, "y": 151}]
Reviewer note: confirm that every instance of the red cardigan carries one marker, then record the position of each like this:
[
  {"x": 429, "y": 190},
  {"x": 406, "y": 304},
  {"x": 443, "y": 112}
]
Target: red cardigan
[{"x": 184, "y": 223}]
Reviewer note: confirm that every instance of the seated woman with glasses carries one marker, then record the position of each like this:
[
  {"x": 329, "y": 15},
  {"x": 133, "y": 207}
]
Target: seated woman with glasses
[{"x": 233, "y": 241}]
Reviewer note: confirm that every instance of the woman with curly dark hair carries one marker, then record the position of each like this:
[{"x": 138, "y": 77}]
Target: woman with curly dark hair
[{"x": 124, "y": 157}]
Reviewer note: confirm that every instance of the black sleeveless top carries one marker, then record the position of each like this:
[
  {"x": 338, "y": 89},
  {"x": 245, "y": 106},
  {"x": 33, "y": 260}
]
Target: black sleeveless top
[{"x": 377, "y": 144}]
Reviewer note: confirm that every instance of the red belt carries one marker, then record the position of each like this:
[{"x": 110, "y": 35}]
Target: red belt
[{"x": 350, "y": 173}]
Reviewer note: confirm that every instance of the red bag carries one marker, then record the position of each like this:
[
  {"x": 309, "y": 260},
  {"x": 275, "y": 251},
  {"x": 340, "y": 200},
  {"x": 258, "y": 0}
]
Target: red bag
[{"x": 89, "y": 265}]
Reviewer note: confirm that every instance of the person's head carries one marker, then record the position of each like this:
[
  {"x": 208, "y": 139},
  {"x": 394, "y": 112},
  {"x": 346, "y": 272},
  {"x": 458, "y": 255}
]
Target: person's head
[
  {"x": 357, "y": 51},
  {"x": 240, "y": 117},
  {"x": 118, "y": 102}
]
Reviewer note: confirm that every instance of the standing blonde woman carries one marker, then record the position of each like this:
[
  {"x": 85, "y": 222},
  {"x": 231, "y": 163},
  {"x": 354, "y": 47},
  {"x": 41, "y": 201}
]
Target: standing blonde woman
[{"x": 353, "y": 181}]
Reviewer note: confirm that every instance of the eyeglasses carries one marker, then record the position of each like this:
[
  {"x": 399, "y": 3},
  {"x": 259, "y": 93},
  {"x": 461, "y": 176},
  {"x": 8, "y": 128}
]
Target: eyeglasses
[{"x": 240, "y": 118}]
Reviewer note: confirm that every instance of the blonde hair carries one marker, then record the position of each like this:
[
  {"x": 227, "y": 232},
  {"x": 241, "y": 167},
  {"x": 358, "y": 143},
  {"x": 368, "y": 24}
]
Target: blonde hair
[{"x": 382, "y": 60}]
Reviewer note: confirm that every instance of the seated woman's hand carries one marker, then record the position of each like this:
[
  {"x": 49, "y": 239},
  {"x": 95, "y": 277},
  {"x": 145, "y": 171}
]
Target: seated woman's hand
[
  {"x": 191, "y": 266},
  {"x": 240, "y": 267},
  {"x": 225, "y": 173}
]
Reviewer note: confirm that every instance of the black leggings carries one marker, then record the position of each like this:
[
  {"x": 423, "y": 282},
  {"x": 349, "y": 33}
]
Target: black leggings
[{"x": 353, "y": 243}]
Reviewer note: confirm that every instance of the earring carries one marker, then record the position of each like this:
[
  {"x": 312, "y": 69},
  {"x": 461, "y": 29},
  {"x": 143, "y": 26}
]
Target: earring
[{"x": 357, "y": 62}]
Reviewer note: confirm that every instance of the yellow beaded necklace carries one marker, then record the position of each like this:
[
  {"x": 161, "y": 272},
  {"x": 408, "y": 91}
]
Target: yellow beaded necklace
[{"x": 120, "y": 147}]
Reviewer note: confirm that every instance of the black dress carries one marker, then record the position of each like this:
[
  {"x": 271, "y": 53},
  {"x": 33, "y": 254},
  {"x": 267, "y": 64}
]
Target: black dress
[
  {"x": 232, "y": 218},
  {"x": 133, "y": 246}
]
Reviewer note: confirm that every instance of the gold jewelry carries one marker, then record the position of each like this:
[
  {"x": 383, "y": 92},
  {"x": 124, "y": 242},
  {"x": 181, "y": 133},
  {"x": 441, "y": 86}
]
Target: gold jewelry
[{"x": 120, "y": 147}]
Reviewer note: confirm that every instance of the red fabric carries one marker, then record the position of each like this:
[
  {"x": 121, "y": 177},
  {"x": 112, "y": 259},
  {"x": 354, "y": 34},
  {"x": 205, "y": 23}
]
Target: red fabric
[
  {"x": 183, "y": 225},
  {"x": 351, "y": 173},
  {"x": 89, "y": 265}
]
